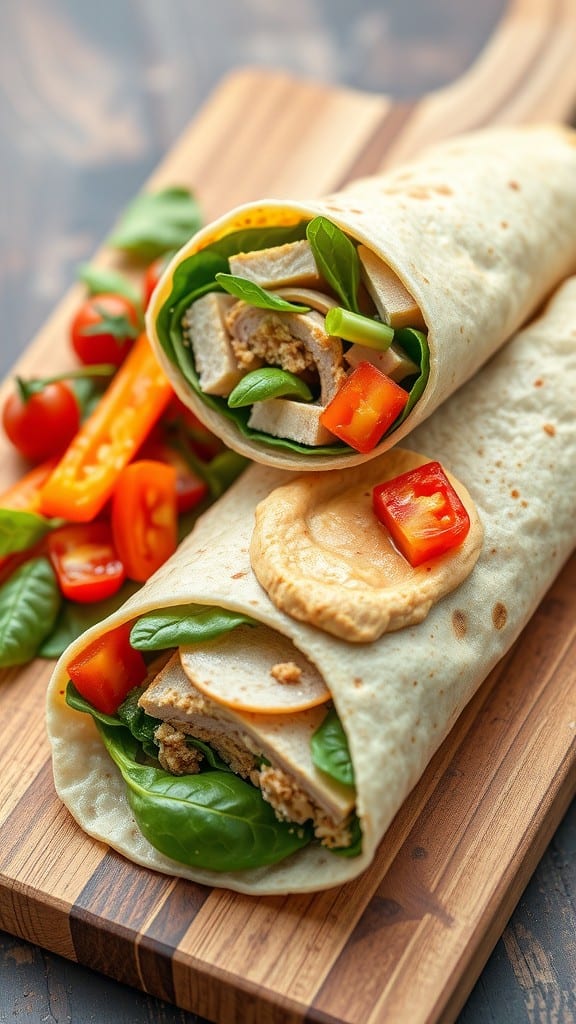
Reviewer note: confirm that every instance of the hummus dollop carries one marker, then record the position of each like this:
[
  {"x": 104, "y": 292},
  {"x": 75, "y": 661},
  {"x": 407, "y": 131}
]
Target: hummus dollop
[{"x": 324, "y": 558}]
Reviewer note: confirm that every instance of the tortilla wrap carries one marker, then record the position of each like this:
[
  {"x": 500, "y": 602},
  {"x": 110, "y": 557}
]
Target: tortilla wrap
[
  {"x": 479, "y": 230},
  {"x": 510, "y": 436}
]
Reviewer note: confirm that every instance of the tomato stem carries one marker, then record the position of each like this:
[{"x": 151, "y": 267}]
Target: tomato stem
[{"x": 32, "y": 386}]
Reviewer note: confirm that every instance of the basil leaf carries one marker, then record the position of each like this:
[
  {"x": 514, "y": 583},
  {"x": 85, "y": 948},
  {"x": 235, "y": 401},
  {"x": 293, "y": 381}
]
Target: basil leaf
[
  {"x": 267, "y": 382},
  {"x": 29, "y": 603},
  {"x": 101, "y": 281},
  {"x": 330, "y": 751},
  {"x": 253, "y": 294},
  {"x": 74, "y": 619},
  {"x": 336, "y": 259},
  {"x": 156, "y": 223},
  {"x": 211, "y": 820},
  {"x": 20, "y": 530},
  {"x": 183, "y": 625}
]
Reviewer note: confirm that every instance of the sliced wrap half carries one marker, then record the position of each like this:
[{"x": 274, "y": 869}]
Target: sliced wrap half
[
  {"x": 510, "y": 436},
  {"x": 456, "y": 250}
]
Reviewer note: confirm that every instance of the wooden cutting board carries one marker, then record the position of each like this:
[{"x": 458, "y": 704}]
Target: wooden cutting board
[{"x": 406, "y": 941}]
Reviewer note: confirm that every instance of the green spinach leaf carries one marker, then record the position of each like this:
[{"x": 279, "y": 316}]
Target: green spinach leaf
[
  {"x": 415, "y": 344},
  {"x": 267, "y": 382},
  {"x": 102, "y": 280},
  {"x": 211, "y": 820},
  {"x": 254, "y": 295},
  {"x": 20, "y": 530},
  {"x": 330, "y": 750},
  {"x": 74, "y": 619},
  {"x": 29, "y": 604},
  {"x": 75, "y": 700},
  {"x": 183, "y": 625},
  {"x": 355, "y": 848},
  {"x": 337, "y": 260},
  {"x": 156, "y": 223}
]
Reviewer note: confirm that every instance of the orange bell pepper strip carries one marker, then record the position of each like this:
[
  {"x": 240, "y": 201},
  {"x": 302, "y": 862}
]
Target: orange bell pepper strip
[
  {"x": 85, "y": 476},
  {"x": 24, "y": 494}
]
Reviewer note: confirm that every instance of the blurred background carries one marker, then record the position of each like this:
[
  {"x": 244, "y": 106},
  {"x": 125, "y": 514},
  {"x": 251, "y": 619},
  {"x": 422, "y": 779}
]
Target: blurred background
[{"x": 92, "y": 95}]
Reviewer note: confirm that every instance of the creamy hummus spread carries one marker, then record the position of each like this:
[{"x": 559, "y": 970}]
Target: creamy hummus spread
[{"x": 324, "y": 558}]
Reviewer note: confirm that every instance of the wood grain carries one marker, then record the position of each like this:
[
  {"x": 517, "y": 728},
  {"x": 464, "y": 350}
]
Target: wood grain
[{"x": 408, "y": 939}]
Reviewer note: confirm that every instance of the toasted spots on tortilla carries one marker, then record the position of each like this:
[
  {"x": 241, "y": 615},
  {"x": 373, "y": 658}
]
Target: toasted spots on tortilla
[
  {"x": 250, "y": 654},
  {"x": 460, "y": 623},
  {"x": 499, "y": 615},
  {"x": 323, "y": 557},
  {"x": 549, "y": 429}
]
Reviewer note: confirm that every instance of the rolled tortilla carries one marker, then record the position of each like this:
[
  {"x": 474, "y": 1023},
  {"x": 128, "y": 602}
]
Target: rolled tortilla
[
  {"x": 510, "y": 436},
  {"x": 479, "y": 230}
]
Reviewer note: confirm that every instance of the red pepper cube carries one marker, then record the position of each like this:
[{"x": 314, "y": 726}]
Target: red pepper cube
[
  {"x": 364, "y": 408},
  {"x": 422, "y": 512},
  {"x": 106, "y": 671}
]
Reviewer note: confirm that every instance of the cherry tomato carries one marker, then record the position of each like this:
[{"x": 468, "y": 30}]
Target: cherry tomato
[
  {"x": 106, "y": 671},
  {"x": 364, "y": 408},
  {"x": 151, "y": 277},
  {"x": 422, "y": 513},
  {"x": 85, "y": 561},
  {"x": 104, "y": 329},
  {"x": 144, "y": 517},
  {"x": 42, "y": 424}
]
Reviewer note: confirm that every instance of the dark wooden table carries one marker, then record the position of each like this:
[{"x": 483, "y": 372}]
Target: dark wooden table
[{"x": 91, "y": 96}]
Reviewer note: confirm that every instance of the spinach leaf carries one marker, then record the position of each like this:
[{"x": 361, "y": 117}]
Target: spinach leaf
[
  {"x": 337, "y": 260},
  {"x": 74, "y": 619},
  {"x": 156, "y": 223},
  {"x": 252, "y": 293},
  {"x": 415, "y": 344},
  {"x": 183, "y": 625},
  {"x": 211, "y": 820},
  {"x": 355, "y": 848},
  {"x": 267, "y": 382},
  {"x": 223, "y": 470},
  {"x": 20, "y": 530},
  {"x": 102, "y": 280},
  {"x": 29, "y": 604},
  {"x": 141, "y": 725},
  {"x": 75, "y": 700},
  {"x": 330, "y": 750}
]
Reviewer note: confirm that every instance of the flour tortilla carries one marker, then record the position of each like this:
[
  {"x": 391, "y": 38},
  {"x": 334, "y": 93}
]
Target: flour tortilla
[
  {"x": 510, "y": 436},
  {"x": 480, "y": 230}
]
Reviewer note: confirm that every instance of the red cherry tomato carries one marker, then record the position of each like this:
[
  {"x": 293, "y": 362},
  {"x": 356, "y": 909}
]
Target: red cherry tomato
[
  {"x": 151, "y": 277},
  {"x": 42, "y": 424},
  {"x": 106, "y": 671},
  {"x": 422, "y": 512},
  {"x": 145, "y": 517},
  {"x": 85, "y": 561},
  {"x": 104, "y": 329}
]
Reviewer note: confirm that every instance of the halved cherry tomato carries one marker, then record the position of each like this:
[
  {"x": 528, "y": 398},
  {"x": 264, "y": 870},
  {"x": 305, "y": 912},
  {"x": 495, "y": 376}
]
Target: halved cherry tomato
[
  {"x": 106, "y": 671},
  {"x": 365, "y": 406},
  {"x": 86, "y": 562},
  {"x": 191, "y": 489},
  {"x": 145, "y": 517},
  {"x": 104, "y": 328},
  {"x": 152, "y": 275},
  {"x": 42, "y": 422},
  {"x": 422, "y": 512}
]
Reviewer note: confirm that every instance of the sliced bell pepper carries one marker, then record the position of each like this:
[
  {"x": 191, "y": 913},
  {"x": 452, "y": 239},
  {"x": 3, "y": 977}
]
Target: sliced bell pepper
[
  {"x": 106, "y": 671},
  {"x": 85, "y": 476},
  {"x": 24, "y": 494},
  {"x": 145, "y": 517},
  {"x": 422, "y": 512},
  {"x": 364, "y": 408},
  {"x": 85, "y": 561}
]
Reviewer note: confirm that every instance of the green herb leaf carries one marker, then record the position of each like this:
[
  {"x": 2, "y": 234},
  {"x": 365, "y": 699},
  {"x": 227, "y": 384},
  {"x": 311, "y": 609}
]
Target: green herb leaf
[
  {"x": 253, "y": 294},
  {"x": 211, "y": 820},
  {"x": 267, "y": 382},
  {"x": 29, "y": 604},
  {"x": 20, "y": 530},
  {"x": 336, "y": 259},
  {"x": 330, "y": 750},
  {"x": 74, "y": 619},
  {"x": 183, "y": 625},
  {"x": 156, "y": 223},
  {"x": 102, "y": 281},
  {"x": 415, "y": 344}
]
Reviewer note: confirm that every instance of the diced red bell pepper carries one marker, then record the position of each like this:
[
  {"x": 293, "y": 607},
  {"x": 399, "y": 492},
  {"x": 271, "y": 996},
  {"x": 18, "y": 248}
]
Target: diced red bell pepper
[
  {"x": 364, "y": 408},
  {"x": 422, "y": 512},
  {"x": 145, "y": 517},
  {"x": 106, "y": 671},
  {"x": 86, "y": 562}
]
